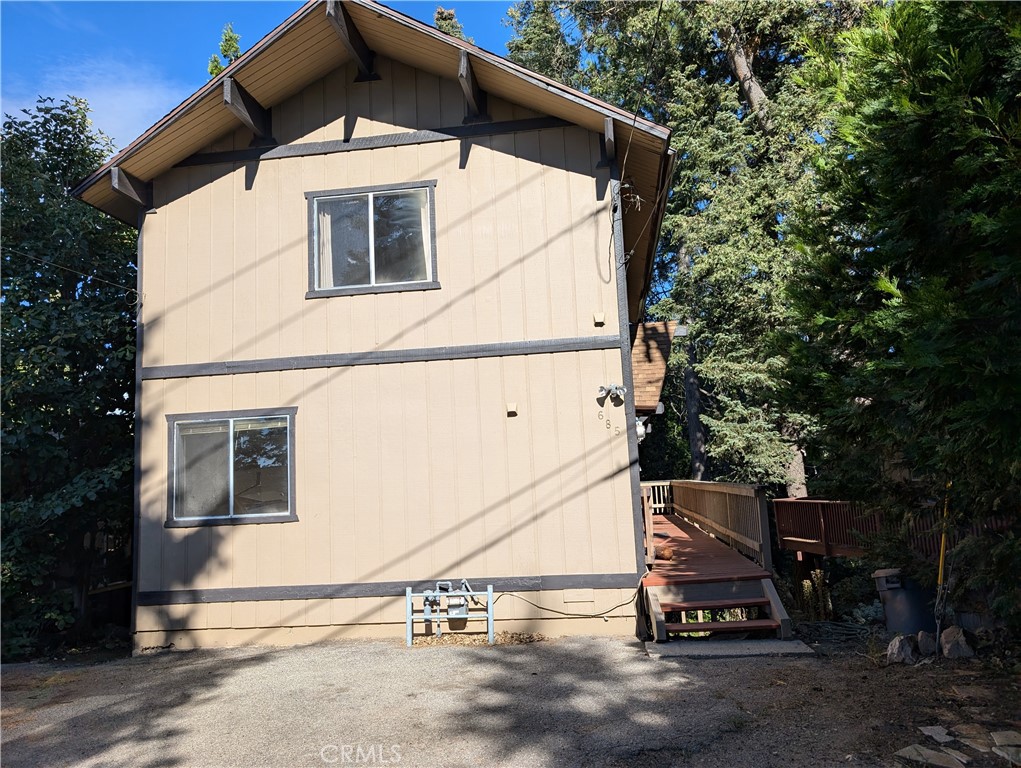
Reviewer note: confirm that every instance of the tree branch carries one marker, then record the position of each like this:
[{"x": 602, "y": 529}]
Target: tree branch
[{"x": 741, "y": 65}]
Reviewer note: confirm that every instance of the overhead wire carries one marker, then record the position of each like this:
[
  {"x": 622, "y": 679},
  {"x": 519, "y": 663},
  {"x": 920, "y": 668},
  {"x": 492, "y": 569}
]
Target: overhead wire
[{"x": 127, "y": 289}]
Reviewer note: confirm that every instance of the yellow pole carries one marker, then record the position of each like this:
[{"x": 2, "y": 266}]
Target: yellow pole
[{"x": 943, "y": 537}]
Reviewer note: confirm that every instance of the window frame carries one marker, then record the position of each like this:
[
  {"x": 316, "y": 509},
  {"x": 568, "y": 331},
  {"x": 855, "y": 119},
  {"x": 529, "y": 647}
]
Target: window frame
[
  {"x": 173, "y": 420},
  {"x": 430, "y": 284}
]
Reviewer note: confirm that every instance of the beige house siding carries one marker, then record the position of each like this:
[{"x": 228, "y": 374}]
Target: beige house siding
[
  {"x": 407, "y": 471},
  {"x": 523, "y": 236},
  {"x": 410, "y": 471}
]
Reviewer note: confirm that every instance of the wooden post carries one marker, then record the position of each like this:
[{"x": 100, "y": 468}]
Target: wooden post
[{"x": 766, "y": 551}]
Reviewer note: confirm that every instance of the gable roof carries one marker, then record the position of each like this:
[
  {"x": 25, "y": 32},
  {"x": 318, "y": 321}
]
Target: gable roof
[
  {"x": 649, "y": 356},
  {"x": 306, "y": 47}
]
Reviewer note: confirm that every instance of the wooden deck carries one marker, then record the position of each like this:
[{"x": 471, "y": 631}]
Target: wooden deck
[{"x": 697, "y": 558}]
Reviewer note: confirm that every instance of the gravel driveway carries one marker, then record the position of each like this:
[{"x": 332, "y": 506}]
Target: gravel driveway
[{"x": 568, "y": 702}]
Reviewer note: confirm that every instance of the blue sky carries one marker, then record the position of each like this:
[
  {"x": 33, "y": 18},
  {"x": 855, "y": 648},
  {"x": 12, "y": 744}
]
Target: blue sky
[{"x": 135, "y": 61}]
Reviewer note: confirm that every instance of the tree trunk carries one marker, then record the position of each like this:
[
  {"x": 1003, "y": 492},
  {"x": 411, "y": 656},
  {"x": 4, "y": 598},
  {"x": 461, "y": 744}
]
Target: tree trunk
[
  {"x": 741, "y": 65},
  {"x": 693, "y": 406},
  {"x": 797, "y": 485}
]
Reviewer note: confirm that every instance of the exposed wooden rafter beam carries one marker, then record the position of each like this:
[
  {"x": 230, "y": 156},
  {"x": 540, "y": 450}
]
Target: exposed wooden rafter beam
[
  {"x": 608, "y": 138},
  {"x": 476, "y": 97},
  {"x": 344, "y": 26},
  {"x": 136, "y": 190},
  {"x": 249, "y": 111}
]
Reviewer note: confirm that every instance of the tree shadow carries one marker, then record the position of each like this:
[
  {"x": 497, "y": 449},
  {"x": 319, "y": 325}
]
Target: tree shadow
[
  {"x": 132, "y": 707},
  {"x": 586, "y": 701}
]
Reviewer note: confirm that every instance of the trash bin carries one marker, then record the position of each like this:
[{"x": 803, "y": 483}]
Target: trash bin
[{"x": 908, "y": 608}]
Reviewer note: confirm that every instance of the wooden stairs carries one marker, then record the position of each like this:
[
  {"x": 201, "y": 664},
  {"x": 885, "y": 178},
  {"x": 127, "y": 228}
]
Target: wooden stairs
[{"x": 697, "y": 585}]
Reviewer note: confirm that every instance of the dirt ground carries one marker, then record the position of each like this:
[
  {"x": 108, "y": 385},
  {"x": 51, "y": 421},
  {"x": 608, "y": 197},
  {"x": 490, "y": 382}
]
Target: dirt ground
[{"x": 566, "y": 702}]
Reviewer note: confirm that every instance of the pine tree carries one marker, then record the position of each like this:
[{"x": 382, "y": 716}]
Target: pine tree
[
  {"x": 230, "y": 51},
  {"x": 724, "y": 77},
  {"x": 445, "y": 20}
]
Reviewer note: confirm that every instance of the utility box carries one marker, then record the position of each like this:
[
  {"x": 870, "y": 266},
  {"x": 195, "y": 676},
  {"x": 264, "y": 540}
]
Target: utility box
[{"x": 908, "y": 608}]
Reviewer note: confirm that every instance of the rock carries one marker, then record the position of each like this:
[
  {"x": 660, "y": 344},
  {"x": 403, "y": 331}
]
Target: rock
[
  {"x": 974, "y": 735},
  {"x": 1006, "y": 738},
  {"x": 954, "y": 645},
  {"x": 972, "y": 692},
  {"x": 903, "y": 649},
  {"x": 937, "y": 732},
  {"x": 919, "y": 754},
  {"x": 1013, "y": 754},
  {"x": 926, "y": 643},
  {"x": 957, "y": 755}
]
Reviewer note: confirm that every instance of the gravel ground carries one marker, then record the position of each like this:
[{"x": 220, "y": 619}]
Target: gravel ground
[{"x": 566, "y": 702}]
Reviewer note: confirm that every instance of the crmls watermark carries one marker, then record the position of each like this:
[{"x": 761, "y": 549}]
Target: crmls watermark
[{"x": 360, "y": 754}]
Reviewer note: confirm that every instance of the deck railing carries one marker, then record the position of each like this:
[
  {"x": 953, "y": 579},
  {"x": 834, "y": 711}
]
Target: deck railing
[
  {"x": 733, "y": 513},
  {"x": 823, "y": 527},
  {"x": 843, "y": 528}
]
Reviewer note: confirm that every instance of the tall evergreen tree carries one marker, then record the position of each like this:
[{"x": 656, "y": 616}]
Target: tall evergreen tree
[
  {"x": 908, "y": 346},
  {"x": 230, "y": 51},
  {"x": 724, "y": 77},
  {"x": 445, "y": 20}
]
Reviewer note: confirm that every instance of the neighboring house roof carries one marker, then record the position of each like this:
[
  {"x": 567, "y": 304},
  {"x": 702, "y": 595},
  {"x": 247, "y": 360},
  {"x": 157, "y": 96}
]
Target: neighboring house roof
[
  {"x": 307, "y": 46},
  {"x": 649, "y": 356}
]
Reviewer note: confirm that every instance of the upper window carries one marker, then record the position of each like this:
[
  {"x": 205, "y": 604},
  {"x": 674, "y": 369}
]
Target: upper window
[
  {"x": 231, "y": 468},
  {"x": 372, "y": 239}
]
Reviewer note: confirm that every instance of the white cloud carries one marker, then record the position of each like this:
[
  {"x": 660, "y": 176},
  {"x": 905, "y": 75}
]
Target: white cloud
[{"x": 125, "y": 99}]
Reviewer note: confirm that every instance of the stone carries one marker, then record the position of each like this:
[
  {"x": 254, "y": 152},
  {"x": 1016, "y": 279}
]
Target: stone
[
  {"x": 976, "y": 744},
  {"x": 919, "y": 754},
  {"x": 974, "y": 735},
  {"x": 1013, "y": 754},
  {"x": 927, "y": 643},
  {"x": 1006, "y": 738},
  {"x": 973, "y": 692},
  {"x": 903, "y": 649},
  {"x": 937, "y": 732},
  {"x": 954, "y": 645},
  {"x": 957, "y": 755}
]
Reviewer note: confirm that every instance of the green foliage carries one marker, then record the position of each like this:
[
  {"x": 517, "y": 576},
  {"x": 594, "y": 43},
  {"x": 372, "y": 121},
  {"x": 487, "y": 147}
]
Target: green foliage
[
  {"x": 908, "y": 343},
  {"x": 445, "y": 20},
  {"x": 230, "y": 51},
  {"x": 68, "y": 343},
  {"x": 539, "y": 41},
  {"x": 724, "y": 260}
]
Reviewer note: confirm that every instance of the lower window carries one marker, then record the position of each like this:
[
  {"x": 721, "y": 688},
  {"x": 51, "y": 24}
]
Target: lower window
[{"x": 228, "y": 468}]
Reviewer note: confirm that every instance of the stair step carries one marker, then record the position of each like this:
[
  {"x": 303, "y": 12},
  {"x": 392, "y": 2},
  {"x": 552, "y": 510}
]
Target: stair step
[
  {"x": 724, "y": 626},
  {"x": 715, "y": 605}
]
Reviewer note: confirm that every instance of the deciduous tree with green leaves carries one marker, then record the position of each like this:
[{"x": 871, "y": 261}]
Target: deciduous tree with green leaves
[{"x": 67, "y": 389}]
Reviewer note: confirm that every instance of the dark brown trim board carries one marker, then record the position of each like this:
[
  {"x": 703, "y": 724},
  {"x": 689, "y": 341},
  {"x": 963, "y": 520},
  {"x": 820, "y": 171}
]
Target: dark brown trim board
[
  {"x": 352, "y": 40},
  {"x": 625, "y": 364},
  {"x": 473, "y": 94},
  {"x": 383, "y": 589},
  {"x": 408, "y": 138},
  {"x": 136, "y": 495},
  {"x": 246, "y": 109},
  {"x": 383, "y": 357}
]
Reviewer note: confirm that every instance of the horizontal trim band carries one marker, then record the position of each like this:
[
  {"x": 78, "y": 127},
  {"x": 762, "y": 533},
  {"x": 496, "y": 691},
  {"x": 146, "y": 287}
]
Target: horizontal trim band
[
  {"x": 384, "y": 589},
  {"x": 382, "y": 357},
  {"x": 407, "y": 138}
]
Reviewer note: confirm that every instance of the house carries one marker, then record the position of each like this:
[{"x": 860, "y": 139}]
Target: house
[{"x": 387, "y": 286}]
